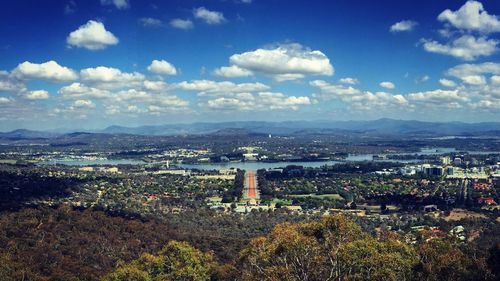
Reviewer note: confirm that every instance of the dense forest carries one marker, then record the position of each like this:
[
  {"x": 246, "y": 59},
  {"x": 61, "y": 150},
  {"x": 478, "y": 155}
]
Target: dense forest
[
  {"x": 332, "y": 248},
  {"x": 69, "y": 244},
  {"x": 45, "y": 244}
]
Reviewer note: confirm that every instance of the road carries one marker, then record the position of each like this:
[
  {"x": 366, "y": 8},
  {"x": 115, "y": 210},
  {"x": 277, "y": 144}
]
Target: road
[{"x": 251, "y": 190}]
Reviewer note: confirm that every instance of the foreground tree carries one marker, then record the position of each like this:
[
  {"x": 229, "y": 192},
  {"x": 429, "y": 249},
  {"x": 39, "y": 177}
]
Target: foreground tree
[
  {"x": 331, "y": 249},
  {"x": 176, "y": 261},
  {"x": 443, "y": 259}
]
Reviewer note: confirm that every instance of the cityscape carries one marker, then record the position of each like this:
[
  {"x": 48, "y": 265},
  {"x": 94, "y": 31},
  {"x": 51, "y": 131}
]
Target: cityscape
[{"x": 249, "y": 140}]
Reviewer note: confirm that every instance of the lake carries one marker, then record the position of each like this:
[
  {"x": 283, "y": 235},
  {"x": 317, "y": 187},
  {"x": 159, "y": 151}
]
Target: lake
[{"x": 88, "y": 162}]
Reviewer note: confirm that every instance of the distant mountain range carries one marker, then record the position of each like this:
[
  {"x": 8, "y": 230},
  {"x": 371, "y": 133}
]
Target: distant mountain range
[
  {"x": 381, "y": 126},
  {"x": 372, "y": 127}
]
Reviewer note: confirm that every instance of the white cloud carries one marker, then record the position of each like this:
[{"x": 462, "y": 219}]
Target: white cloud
[
  {"x": 155, "y": 85},
  {"x": 261, "y": 101},
  {"x": 487, "y": 104},
  {"x": 37, "y": 95},
  {"x": 181, "y": 24},
  {"x": 80, "y": 91},
  {"x": 83, "y": 104},
  {"x": 332, "y": 91},
  {"x": 111, "y": 109},
  {"x": 404, "y": 25},
  {"x": 8, "y": 83},
  {"x": 150, "y": 22},
  {"x": 284, "y": 62},
  {"x": 438, "y": 98},
  {"x": 232, "y": 72},
  {"x": 4, "y": 100},
  {"x": 210, "y": 17},
  {"x": 474, "y": 80},
  {"x": 369, "y": 101},
  {"x": 447, "y": 83},
  {"x": 387, "y": 85},
  {"x": 468, "y": 69},
  {"x": 50, "y": 71},
  {"x": 280, "y": 101},
  {"x": 208, "y": 87},
  {"x": 466, "y": 47},
  {"x": 422, "y": 79},
  {"x": 349, "y": 80},
  {"x": 162, "y": 67},
  {"x": 495, "y": 79},
  {"x": 108, "y": 77},
  {"x": 160, "y": 100},
  {"x": 133, "y": 109},
  {"x": 471, "y": 16},
  {"x": 119, "y": 4},
  {"x": 92, "y": 35},
  {"x": 168, "y": 104}
]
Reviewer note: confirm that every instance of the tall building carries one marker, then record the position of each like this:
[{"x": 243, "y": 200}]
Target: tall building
[
  {"x": 450, "y": 171},
  {"x": 445, "y": 160},
  {"x": 432, "y": 170}
]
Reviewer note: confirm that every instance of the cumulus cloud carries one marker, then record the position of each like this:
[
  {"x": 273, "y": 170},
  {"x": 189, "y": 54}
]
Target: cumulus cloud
[
  {"x": 80, "y": 91},
  {"x": 162, "y": 67},
  {"x": 487, "y": 104},
  {"x": 387, "y": 85},
  {"x": 463, "y": 44},
  {"x": 150, "y": 22},
  {"x": 155, "y": 85},
  {"x": 150, "y": 98},
  {"x": 108, "y": 77},
  {"x": 232, "y": 72},
  {"x": 438, "y": 99},
  {"x": 404, "y": 25},
  {"x": 92, "y": 35},
  {"x": 8, "y": 83},
  {"x": 447, "y": 83},
  {"x": 258, "y": 102},
  {"x": 119, "y": 4},
  {"x": 495, "y": 79},
  {"x": 466, "y": 47},
  {"x": 472, "y": 17},
  {"x": 284, "y": 62},
  {"x": 49, "y": 71},
  {"x": 376, "y": 101},
  {"x": 474, "y": 80},
  {"x": 213, "y": 88},
  {"x": 83, "y": 104},
  {"x": 478, "y": 80},
  {"x": 4, "y": 100},
  {"x": 349, "y": 80},
  {"x": 181, "y": 24},
  {"x": 332, "y": 91},
  {"x": 281, "y": 101},
  {"x": 468, "y": 69},
  {"x": 358, "y": 100},
  {"x": 210, "y": 17},
  {"x": 37, "y": 95}
]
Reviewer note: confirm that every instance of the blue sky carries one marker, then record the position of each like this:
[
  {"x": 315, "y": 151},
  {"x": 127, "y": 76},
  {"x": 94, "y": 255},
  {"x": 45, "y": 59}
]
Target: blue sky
[{"x": 94, "y": 63}]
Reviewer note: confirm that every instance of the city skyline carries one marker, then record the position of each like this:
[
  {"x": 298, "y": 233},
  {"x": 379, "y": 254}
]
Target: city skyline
[{"x": 91, "y": 64}]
